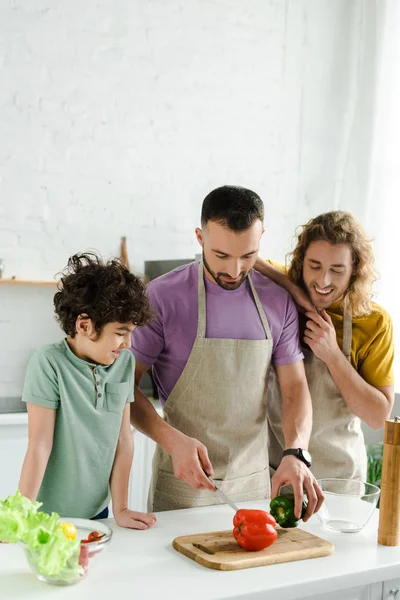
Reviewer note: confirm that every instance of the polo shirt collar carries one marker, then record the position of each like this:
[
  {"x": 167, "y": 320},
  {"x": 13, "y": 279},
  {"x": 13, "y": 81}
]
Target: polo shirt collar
[{"x": 80, "y": 362}]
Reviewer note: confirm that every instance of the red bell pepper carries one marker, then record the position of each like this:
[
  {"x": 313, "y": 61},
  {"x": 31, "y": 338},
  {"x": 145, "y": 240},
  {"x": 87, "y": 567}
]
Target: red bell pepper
[{"x": 254, "y": 529}]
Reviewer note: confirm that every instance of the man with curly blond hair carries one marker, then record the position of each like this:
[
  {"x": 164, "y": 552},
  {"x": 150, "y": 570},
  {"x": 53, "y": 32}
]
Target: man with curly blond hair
[{"x": 347, "y": 342}]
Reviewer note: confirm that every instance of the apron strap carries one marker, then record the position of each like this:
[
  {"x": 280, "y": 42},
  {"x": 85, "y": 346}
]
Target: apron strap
[
  {"x": 347, "y": 331},
  {"x": 201, "y": 319},
  {"x": 260, "y": 309},
  {"x": 201, "y": 299}
]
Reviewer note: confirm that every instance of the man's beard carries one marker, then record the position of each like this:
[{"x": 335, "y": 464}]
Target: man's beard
[{"x": 224, "y": 284}]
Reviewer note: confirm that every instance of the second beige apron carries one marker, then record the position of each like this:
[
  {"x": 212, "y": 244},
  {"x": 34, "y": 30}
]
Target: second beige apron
[
  {"x": 219, "y": 399},
  {"x": 337, "y": 443}
]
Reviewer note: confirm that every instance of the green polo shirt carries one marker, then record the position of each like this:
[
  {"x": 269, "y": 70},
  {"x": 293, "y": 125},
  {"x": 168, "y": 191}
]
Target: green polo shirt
[{"x": 89, "y": 400}]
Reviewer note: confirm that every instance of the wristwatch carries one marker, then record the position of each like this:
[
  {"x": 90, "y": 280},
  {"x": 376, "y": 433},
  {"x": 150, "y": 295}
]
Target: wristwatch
[{"x": 300, "y": 453}]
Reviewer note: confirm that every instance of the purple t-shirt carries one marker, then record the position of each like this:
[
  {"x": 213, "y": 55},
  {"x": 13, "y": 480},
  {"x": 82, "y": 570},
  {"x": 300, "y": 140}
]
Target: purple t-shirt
[{"x": 167, "y": 341}]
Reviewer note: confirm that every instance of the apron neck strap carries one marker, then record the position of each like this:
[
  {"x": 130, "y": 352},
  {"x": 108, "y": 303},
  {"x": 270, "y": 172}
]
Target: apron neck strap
[
  {"x": 347, "y": 331},
  {"x": 260, "y": 309},
  {"x": 201, "y": 298},
  {"x": 201, "y": 320}
]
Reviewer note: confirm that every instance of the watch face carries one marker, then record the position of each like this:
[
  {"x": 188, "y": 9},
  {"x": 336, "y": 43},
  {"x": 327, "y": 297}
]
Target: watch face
[{"x": 307, "y": 456}]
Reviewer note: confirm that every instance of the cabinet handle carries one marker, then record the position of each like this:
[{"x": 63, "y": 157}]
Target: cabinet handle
[{"x": 394, "y": 592}]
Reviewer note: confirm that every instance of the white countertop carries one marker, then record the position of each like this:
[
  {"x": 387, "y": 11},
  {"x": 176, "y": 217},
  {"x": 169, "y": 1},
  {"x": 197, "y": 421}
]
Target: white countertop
[
  {"x": 20, "y": 418},
  {"x": 143, "y": 564}
]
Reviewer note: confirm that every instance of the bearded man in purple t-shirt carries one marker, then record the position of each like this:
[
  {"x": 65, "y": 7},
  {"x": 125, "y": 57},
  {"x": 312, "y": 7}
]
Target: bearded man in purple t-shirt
[{"x": 218, "y": 327}]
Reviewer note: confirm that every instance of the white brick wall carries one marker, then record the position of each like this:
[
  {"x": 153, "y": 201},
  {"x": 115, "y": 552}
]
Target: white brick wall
[
  {"x": 118, "y": 116},
  {"x": 25, "y": 320}
]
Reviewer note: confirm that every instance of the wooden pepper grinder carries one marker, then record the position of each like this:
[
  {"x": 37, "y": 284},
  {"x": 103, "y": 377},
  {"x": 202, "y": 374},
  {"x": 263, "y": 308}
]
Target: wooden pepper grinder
[
  {"x": 124, "y": 253},
  {"x": 389, "y": 512}
]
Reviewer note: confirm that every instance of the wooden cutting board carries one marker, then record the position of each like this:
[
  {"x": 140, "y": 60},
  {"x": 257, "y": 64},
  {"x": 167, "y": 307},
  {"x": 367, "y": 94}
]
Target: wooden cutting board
[{"x": 219, "y": 550}]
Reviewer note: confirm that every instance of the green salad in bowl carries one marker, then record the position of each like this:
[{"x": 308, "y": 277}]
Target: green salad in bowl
[
  {"x": 53, "y": 550},
  {"x": 71, "y": 572}
]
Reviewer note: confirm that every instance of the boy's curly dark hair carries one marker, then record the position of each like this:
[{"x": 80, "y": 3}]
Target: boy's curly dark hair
[{"x": 105, "y": 291}]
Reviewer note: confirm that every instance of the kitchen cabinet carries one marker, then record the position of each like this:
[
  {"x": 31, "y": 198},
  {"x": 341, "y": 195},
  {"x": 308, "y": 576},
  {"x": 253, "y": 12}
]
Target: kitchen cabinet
[
  {"x": 391, "y": 590},
  {"x": 140, "y": 477},
  {"x": 369, "y": 592},
  {"x": 13, "y": 444}
]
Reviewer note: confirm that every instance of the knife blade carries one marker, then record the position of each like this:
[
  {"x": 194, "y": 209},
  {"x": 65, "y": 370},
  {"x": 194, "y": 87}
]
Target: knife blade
[{"x": 223, "y": 496}]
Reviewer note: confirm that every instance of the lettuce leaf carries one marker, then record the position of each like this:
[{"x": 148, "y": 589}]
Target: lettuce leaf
[
  {"x": 21, "y": 504},
  {"x": 12, "y": 526},
  {"x": 41, "y": 534}
]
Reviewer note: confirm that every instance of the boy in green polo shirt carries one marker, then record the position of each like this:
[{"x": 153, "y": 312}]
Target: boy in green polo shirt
[{"x": 78, "y": 392}]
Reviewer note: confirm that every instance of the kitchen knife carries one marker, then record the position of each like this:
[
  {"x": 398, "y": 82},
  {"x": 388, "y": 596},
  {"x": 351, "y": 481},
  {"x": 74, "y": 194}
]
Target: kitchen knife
[{"x": 223, "y": 496}]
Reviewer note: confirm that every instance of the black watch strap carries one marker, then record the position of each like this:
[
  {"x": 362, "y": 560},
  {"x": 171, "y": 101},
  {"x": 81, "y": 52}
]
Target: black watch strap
[{"x": 299, "y": 453}]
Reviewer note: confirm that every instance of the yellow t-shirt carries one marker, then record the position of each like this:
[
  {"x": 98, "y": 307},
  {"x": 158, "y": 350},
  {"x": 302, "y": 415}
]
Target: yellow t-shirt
[{"x": 372, "y": 347}]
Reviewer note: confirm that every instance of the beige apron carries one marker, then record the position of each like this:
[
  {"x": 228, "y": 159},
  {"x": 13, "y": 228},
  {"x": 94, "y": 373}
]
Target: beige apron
[
  {"x": 337, "y": 442},
  {"x": 220, "y": 400}
]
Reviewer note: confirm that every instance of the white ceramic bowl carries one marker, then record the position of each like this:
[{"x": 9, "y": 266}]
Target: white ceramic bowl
[{"x": 349, "y": 504}]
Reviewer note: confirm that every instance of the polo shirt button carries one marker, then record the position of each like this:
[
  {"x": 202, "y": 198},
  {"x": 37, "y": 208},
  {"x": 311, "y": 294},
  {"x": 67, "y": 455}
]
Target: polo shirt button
[
  {"x": 97, "y": 382},
  {"x": 99, "y": 395}
]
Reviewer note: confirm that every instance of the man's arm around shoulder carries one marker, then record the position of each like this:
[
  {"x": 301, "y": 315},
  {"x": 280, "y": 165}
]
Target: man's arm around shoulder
[{"x": 281, "y": 278}]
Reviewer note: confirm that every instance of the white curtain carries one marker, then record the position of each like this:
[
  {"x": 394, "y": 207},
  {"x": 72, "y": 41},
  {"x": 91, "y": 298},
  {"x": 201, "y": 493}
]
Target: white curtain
[
  {"x": 340, "y": 128},
  {"x": 370, "y": 185},
  {"x": 382, "y": 212}
]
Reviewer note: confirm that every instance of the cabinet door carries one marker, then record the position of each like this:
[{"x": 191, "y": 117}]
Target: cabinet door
[
  {"x": 391, "y": 590},
  {"x": 141, "y": 471},
  {"x": 368, "y": 592},
  {"x": 13, "y": 445}
]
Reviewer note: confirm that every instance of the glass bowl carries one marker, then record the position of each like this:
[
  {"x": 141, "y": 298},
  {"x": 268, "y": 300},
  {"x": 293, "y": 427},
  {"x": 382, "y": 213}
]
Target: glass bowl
[
  {"x": 68, "y": 576},
  {"x": 349, "y": 504},
  {"x": 84, "y": 527},
  {"x": 71, "y": 574}
]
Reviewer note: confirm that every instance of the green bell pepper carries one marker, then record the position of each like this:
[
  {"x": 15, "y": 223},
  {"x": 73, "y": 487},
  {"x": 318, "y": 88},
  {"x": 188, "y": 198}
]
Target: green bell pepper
[{"x": 282, "y": 509}]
